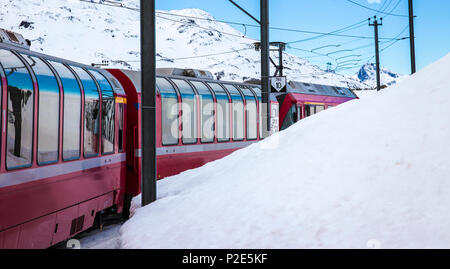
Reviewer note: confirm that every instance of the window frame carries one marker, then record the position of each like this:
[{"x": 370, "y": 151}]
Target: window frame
[
  {"x": 300, "y": 115},
  {"x": 37, "y": 110},
  {"x": 81, "y": 127},
  {"x": 2, "y": 86},
  {"x": 200, "y": 109},
  {"x": 121, "y": 142},
  {"x": 253, "y": 99},
  {"x": 195, "y": 111},
  {"x": 33, "y": 82},
  {"x": 258, "y": 98},
  {"x": 233, "y": 102},
  {"x": 219, "y": 140},
  {"x": 86, "y": 155},
  {"x": 178, "y": 138},
  {"x": 101, "y": 152}
]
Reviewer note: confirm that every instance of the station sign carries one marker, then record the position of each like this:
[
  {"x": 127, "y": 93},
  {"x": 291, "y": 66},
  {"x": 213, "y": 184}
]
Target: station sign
[{"x": 278, "y": 84}]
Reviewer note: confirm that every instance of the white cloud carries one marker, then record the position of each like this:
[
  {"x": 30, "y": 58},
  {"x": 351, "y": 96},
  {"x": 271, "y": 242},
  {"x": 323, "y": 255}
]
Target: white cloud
[{"x": 374, "y": 1}]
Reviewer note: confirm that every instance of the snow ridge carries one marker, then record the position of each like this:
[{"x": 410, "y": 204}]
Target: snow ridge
[{"x": 367, "y": 173}]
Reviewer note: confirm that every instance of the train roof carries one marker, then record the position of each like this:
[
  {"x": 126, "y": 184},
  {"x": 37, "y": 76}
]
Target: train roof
[
  {"x": 319, "y": 89},
  {"x": 178, "y": 73},
  {"x": 22, "y": 45}
]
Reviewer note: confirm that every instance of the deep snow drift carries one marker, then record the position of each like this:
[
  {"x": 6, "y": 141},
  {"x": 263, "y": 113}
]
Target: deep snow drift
[{"x": 371, "y": 172}]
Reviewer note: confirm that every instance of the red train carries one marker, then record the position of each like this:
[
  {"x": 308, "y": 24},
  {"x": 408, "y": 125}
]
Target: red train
[{"x": 70, "y": 137}]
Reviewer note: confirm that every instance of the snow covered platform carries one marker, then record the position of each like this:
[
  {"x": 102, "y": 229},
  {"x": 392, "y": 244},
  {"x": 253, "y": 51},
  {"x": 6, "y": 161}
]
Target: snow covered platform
[{"x": 373, "y": 172}]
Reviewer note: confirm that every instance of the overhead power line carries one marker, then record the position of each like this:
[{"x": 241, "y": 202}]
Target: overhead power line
[
  {"x": 205, "y": 28},
  {"x": 192, "y": 57},
  {"x": 321, "y": 34},
  {"x": 207, "y": 55},
  {"x": 378, "y": 11}
]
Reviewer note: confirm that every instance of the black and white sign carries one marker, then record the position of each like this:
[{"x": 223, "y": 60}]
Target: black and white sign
[{"x": 278, "y": 84}]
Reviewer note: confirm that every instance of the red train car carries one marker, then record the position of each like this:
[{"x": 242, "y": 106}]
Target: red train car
[
  {"x": 303, "y": 99},
  {"x": 62, "y": 155},
  {"x": 70, "y": 143},
  {"x": 199, "y": 119}
]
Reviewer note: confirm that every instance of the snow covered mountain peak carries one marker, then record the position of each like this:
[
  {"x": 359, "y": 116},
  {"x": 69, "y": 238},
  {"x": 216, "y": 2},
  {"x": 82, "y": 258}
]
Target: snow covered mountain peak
[
  {"x": 188, "y": 38},
  {"x": 368, "y": 75}
]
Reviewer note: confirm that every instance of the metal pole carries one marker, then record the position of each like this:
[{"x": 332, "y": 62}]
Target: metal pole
[
  {"x": 265, "y": 62},
  {"x": 377, "y": 51},
  {"x": 280, "y": 59},
  {"x": 411, "y": 37},
  {"x": 148, "y": 123}
]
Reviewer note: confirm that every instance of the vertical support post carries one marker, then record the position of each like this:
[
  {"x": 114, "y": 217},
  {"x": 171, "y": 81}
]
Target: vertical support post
[
  {"x": 265, "y": 65},
  {"x": 411, "y": 37},
  {"x": 280, "y": 59},
  {"x": 148, "y": 97},
  {"x": 377, "y": 50}
]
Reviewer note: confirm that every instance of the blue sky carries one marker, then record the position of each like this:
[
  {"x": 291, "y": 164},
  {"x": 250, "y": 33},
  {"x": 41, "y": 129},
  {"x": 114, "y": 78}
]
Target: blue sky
[{"x": 432, "y": 28}]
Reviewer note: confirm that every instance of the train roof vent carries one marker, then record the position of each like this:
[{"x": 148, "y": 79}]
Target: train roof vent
[
  {"x": 193, "y": 73},
  {"x": 14, "y": 39}
]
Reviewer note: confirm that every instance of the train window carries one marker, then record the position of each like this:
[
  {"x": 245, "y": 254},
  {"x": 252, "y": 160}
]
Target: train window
[
  {"x": 223, "y": 113},
  {"x": 290, "y": 118},
  {"x": 251, "y": 113},
  {"x": 309, "y": 110},
  {"x": 207, "y": 112},
  {"x": 169, "y": 112},
  {"x": 71, "y": 114},
  {"x": 252, "y": 119},
  {"x": 108, "y": 109},
  {"x": 91, "y": 113},
  {"x": 188, "y": 112},
  {"x": 238, "y": 112},
  {"x": 19, "y": 141},
  {"x": 257, "y": 90},
  {"x": 120, "y": 129},
  {"x": 313, "y": 109},
  {"x": 48, "y": 111},
  {"x": 299, "y": 113},
  {"x": 319, "y": 108}
]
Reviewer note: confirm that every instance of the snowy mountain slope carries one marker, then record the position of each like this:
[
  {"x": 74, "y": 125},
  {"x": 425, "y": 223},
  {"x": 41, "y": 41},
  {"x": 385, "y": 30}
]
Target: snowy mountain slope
[
  {"x": 367, "y": 173},
  {"x": 367, "y": 74},
  {"x": 92, "y": 33}
]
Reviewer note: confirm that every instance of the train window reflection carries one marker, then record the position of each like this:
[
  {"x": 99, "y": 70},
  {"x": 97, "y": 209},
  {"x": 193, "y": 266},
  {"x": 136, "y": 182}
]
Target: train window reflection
[
  {"x": 313, "y": 109},
  {"x": 207, "y": 112},
  {"x": 223, "y": 113},
  {"x": 71, "y": 113},
  {"x": 290, "y": 118},
  {"x": 91, "y": 113},
  {"x": 169, "y": 112},
  {"x": 188, "y": 114},
  {"x": 252, "y": 119},
  {"x": 48, "y": 111},
  {"x": 19, "y": 141},
  {"x": 121, "y": 124},
  {"x": 251, "y": 113},
  {"x": 108, "y": 104},
  {"x": 238, "y": 112}
]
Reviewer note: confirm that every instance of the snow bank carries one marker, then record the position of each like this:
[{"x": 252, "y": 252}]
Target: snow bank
[{"x": 372, "y": 172}]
